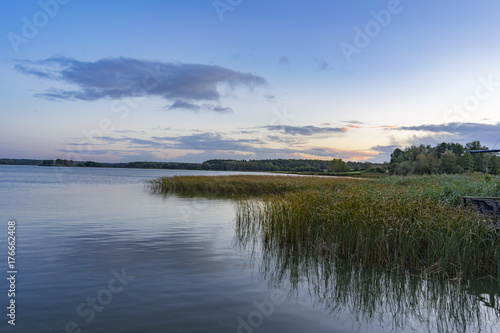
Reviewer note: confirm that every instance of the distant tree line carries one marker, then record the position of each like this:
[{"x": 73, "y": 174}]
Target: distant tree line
[
  {"x": 14, "y": 161},
  {"x": 283, "y": 165},
  {"x": 290, "y": 165},
  {"x": 449, "y": 158},
  {"x": 139, "y": 165}
]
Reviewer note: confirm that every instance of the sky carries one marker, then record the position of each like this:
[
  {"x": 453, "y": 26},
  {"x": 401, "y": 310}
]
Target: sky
[{"x": 188, "y": 81}]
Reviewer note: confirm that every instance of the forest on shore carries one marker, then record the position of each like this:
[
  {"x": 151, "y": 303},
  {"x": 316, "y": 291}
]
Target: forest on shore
[{"x": 444, "y": 158}]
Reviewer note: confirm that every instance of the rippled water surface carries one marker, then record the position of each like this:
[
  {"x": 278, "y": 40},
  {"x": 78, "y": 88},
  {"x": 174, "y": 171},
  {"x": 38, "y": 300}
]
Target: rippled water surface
[{"x": 97, "y": 252}]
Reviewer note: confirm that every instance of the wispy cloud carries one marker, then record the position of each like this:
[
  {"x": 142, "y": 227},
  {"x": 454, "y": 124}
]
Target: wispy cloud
[
  {"x": 385, "y": 149},
  {"x": 305, "y": 130},
  {"x": 450, "y": 132},
  {"x": 322, "y": 65},
  {"x": 356, "y": 122},
  {"x": 270, "y": 98},
  {"x": 206, "y": 141},
  {"x": 456, "y": 128},
  {"x": 197, "y": 147},
  {"x": 115, "y": 78},
  {"x": 284, "y": 61},
  {"x": 385, "y": 126}
]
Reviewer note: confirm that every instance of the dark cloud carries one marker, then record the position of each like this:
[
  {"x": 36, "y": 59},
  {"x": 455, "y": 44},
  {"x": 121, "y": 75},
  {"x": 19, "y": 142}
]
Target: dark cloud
[
  {"x": 220, "y": 109},
  {"x": 109, "y": 139},
  {"x": 115, "y": 78},
  {"x": 179, "y": 104},
  {"x": 305, "y": 130},
  {"x": 142, "y": 142}
]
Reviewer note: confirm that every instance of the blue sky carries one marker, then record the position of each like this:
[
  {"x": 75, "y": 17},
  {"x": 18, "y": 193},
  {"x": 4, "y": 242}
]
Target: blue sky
[{"x": 188, "y": 81}]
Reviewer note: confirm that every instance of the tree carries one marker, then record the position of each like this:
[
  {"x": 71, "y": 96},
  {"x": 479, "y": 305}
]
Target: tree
[
  {"x": 466, "y": 162},
  {"x": 443, "y": 158},
  {"x": 448, "y": 163},
  {"x": 427, "y": 163},
  {"x": 495, "y": 165},
  {"x": 337, "y": 165},
  {"x": 481, "y": 161},
  {"x": 405, "y": 168}
]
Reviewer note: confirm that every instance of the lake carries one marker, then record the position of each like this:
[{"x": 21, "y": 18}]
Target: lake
[{"x": 96, "y": 251}]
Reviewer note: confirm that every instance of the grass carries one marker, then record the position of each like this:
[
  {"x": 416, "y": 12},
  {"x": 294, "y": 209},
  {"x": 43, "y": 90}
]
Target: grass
[
  {"x": 239, "y": 185},
  {"x": 407, "y": 224}
]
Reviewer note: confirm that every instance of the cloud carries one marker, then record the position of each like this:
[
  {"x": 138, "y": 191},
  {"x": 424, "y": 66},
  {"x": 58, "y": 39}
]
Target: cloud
[
  {"x": 109, "y": 139},
  {"x": 270, "y": 98},
  {"x": 142, "y": 142},
  {"x": 355, "y": 122},
  {"x": 284, "y": 61},
  {"x": 116, "y": 78},
  {"x": 197, "y": 147},
  {"x": 456, "y": 128},
  {"x": 85, "y": 152},
  {"x": 385, "y": 149},
  {"x": 82, "y": 144},
  {"x": 305, "y": 130},
  {"x": 432, "y": 134},
  {"x": 322, "y": 65},
  {"x": 217, "y": 108},
  {"x": 385, "y": 126},
  {"x": 206, "y": 141},
  {"x": 179, "y": 104}
]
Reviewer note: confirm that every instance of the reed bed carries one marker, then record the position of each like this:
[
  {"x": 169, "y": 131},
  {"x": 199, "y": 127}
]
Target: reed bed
[
  {"x": 407, "y": 224},
  {"x": 378, "y": 225},
  {"x": 240, "y": 185},
  {"x": 447, "y": 189}
]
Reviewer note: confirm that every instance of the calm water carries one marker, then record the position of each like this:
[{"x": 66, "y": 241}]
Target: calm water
[{"x": 96, "y": 252}]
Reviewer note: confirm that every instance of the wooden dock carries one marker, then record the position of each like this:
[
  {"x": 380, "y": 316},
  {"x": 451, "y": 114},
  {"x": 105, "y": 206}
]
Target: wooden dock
[{"x": 484, "y": 205}]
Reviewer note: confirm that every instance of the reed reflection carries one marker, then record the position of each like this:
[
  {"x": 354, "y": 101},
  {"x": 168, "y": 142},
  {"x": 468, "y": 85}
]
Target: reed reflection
[{"x": 369, "y": 297}]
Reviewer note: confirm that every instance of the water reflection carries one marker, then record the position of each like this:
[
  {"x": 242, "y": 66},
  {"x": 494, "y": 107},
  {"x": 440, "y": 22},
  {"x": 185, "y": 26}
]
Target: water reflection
[{"x": 373, "y": 298}]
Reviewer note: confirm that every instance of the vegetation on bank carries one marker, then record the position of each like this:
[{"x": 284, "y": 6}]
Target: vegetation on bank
[
  {"x": 324, "y": 167},
  {"x": 444, "y": 158},
  {"x": 238, "y": 185},
  {"x": 398, "y": 223}
]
